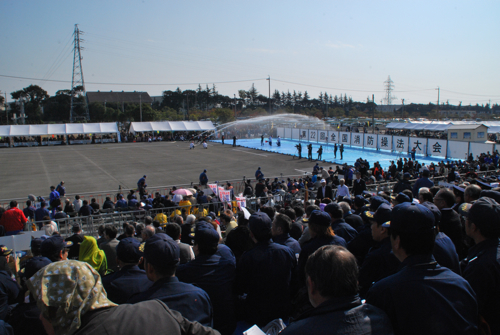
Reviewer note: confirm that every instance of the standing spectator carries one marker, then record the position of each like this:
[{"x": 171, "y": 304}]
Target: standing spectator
[
  {"x": 442, "y": 298},
  {"x": 422, "y": 182},
  {"x": 281, "y": 233},
  {"x": 342, "y": 191},
  {"x": 204, "y": 178},
  {"x": 13, "y": 219},
  {"x": 403, "y": 184},
  {"x": 54, "y": 197},
  {"x": 336, "y": 307},
  {"x": 482, "y": 269},
  {"x": 264, "y": 274},
  {"x": 258, "y": 174},
  {"x": 339, "y": 226},
  {"x": 359, "y": 185},
  {"x": 61, "y": 189},
  {"x": 324, "y": 191}
]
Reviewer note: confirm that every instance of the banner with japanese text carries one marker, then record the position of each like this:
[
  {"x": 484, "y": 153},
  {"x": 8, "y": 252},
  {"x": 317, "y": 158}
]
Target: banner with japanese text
[
  {"x": 225, "y": 196},
  {"x": 304, "y": 135},
  {"x": 213, "y": 187},
  {"x": 242, "y": 202},
  {"x": 357, "y": 139},
  {"x": 385, "y": 142},
  {"x": 371, "y": 140},
  {"x": 322, "y": 136},
  {"x": 400, "y": 143},
  {"x": 345, "y": 138},
  {"x": 333, "y": 136},
  {"x": 436, "y": 147},
  {"x": 420, "y": 145},
  {"x": 313, "y": 135}
]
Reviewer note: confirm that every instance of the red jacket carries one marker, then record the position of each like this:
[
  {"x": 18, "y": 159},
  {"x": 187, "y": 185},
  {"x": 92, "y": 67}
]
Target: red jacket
[{"x": 13, "y": 219}]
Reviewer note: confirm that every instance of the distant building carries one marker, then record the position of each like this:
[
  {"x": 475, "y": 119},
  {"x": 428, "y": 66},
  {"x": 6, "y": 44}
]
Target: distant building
[
  {"x": 388, "y": 108},
  {"x": 458, "y": 113},
  {"x": 119, "y": 97},
  {"x": 468, "y": 132}
]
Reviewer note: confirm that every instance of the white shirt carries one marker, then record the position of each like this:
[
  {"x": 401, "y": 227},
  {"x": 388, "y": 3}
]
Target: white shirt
[{"x": 343, "y": 191}]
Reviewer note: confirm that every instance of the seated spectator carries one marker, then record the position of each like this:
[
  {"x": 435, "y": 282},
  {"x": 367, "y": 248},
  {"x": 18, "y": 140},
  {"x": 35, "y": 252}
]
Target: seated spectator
[
  {"x": 55, "y": 248},
  {"x": 339, "y": 226},
  {"x": 59, "y": 214},
  {"x": 108, "y": 204},
  {"x": 264, "y": 274},
  {"x": 438, "y": 295},
  {"x": 13, "y": 219},
  {"x": 81, "y": 306},
  {"x": 68, "y": 207},
  {"x": 91, "y": 254},
  {"x": 214, "y": 272},
  {"x": 121, "y": 203},
  {"x": 129, "y": 279},
  {"x": 9, "y": 287},
  {"x": 336, "y": 306},
  {"x": 161, "y": 257},
  {"x": 109, "y": 247},
  {"x": 49, "y": 226},
  {"x": 186, "y": 252},
  {"x": 29, "y": 210},
  {"x": 281, "y": 232},
  {"x": 76, "y": 239},
  {"x": 85, "y": 210}
]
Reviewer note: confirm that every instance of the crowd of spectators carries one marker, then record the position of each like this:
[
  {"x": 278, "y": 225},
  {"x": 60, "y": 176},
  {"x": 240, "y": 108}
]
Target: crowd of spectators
[{"x": 333, "y": 256}]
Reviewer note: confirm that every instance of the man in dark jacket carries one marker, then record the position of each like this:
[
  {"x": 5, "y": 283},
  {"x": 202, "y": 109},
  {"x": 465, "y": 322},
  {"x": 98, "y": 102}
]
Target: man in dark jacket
[
  {"x": 359, "y": 185},
  {"x": 336, "y": 307},
  {"x": 281, "y": 232},
  {"x": 129, "y": 280},
  {"x": 422, "y": 289},
  {"x": 76, "y": 238},
  {"x": 324, "y": 191},
  {"x": 9, "y": 290},
  {"x": 339, "y": 226},
  {"x": 403, "y": 184}
]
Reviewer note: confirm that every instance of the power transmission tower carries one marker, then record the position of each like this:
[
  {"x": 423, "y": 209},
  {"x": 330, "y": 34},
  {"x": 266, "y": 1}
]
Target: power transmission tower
[
  {"x": 77, "y": 80},
  {"x": 389, "y": 87}
]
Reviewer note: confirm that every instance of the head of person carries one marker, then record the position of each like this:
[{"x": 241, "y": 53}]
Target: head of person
[
  {"x": 77, "y": 197},
  {"x": 36, "y": 247},
  {"x": 344, "y": 206},
  {"x": 52, "y": 188},
  {"x": 331, "y": 264},
  {"x": 291, "y": 213},
  {"x": 173, "y": 230},
  {"x": 445, "y": 198},
  {"x": 412, "y": 230},
  {"x": 358, "y": 175},
  {"x": 400, "y": 198},
  {"x": 13, "y": 204},
  {"x": 110, "y": 232},
  {"x": 55, "y": 248},
  {"x": 334, "y": 210},
  {"x": 85, "y": 202},
  {"x": 260, "y": 226},
  {"x": 342, "y": 182},
  {"x": 426, "y": 173},
  {"x": 128, "y": 252},
  {"x": 483, "y": 220},
  {"x": 424, "y": 194},
  {"x": 76, "y": 229},
  {"x": 319, "y": 224},
  {"x": 380, "y": 231},
  {"x": 206, "y": 239},
  {"x": 147, "y": 232},
  {"x": 225, "y": 218},
  {"x": 310, "y": 209},
  {"x": 65, "y": 292},
  {"x": 93, "y": 200},
  {"x": 472, "y": 193},
  {"x": 281, "y": 225},
  {"x": 161, "y": 257},
  {"x": 270, "y": 211},
  {"x": 129, "y": 230}
]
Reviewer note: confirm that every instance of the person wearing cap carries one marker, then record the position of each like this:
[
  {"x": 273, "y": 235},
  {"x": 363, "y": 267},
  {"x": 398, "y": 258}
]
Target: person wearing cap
[
  {"x": 422, "y": 297},
  {"x": 76, "y": 239},
  {"x": 55, "y": 248},
  {"x": 281, "y": 232},
  {"x": 13, "y": 219},
  {"x": 359, "y": 185},
  {"x": 264, "y": 274},
  {"x": 403, "y": 184},
  {"x": 213, "y": 270},
  {"x": 450, "y": 223},
  {"x": 9, "y": 289},
  {"x": 400, "y": 198},
  {"x": 324, "y": 191},
  {"x": 203, "y": 178},
  {"x": 338, "y": 224},
  {"x": 424, "y": 181},
  {"x": 321, "y": 233},
  {"x": 161, "y": 257},
  {"x": 141, "y": 183},
  {"x": 25, "y": 317},
  {"x": 54, "y": 197},
  {"x": 360, "y": 204},
  {"x": 129, "y": 279},
  {"x": 79, "y": 306},
  {"x": 337, "y": 308},
  {"x": 121, "y": 203},
  {"x": 482, "y": 264},
  {"x": 349, "y": 217},
  {"x": 380, "y": 262}
]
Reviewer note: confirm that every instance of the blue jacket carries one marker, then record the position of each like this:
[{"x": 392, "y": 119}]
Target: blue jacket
[
  {"x": 40, "y": 213},
  {"x": 346, "y": 316},
  {"x": 344, "y": 230},
  {"x": 286, "y": 240},
  {"x": 425, "y": 298},
  {"x": 9, "y": 290},
  {"x": 121, "y": 285},
  {"x": 264, "y": 273},
  {"x": 215, "y": 275},
  {"x": 259, "y": 174},
  {"x": 122, "y": 203},
  {"x": 203, "y": 178},
  {"x": 483, "y": 274},
  {"x": 445, "y": 253},
  {"x": 54, "y": 195},
  {"x": 192, "y": 302},
  {"x": 421, "y": 182}
]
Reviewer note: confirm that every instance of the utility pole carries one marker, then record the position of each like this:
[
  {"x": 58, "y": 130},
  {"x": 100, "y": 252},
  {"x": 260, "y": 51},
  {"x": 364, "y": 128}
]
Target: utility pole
[
  {"x": 77, "y": 79},
  {"x": 403, "y": 108},
  {"x": 269, "y": 102},
  {"x": 235, "y": 106},
  {"x": 437, "y": 110},
  {"x": 140, "y": 104},
  {"x": 373, "y": 113}
]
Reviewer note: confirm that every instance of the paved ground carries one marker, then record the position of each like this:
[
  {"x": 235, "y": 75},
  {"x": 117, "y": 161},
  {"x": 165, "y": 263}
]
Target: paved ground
[{"x": 103, "y": 167}]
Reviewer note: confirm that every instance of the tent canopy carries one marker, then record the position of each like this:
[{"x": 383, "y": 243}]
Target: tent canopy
[
  {"x": 171, "y": 126},
  {"x": 59, "y": 129}
]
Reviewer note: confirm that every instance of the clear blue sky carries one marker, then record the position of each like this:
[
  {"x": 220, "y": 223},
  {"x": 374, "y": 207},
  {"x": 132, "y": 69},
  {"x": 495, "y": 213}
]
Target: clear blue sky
[{"x": 335, "y": 46}]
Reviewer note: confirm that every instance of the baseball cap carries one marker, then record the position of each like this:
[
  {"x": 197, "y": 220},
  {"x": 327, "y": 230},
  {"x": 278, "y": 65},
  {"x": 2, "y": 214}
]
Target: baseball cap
[
  {"x": 161, "y": 250},
  {"x": 205, "y": 232},
  {"x": 76, "y": 228},
  {"x": 35, "y": 245},
  {"x": 360, "y": 201},
  {"x": 411, "y": 217},
  {"x": 320, "y": 218},
  {"x": 401, "y": 197},
  {"x": 485, "y": 213},
  {"x": 376, "y": 202},
  {"x": 4, "y": 251},
  {"x": 383, "y": 214},
  {"x": 435, "y": 211},
  {"x": 406, "y": 175},
  {"x": 484, "y": 185},
  {"x": 128, "y": 250},
  {"x": 259, "y": 223},
  {"x": 322, "y": 181},
  {"x": 33, "y": 265},
  {"x": 331, "y": 207},
  {"x": 54, "y": 244},
  {"x": 490, "y": 194}
]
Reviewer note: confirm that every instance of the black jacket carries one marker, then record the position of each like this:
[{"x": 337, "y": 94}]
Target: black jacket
[{"x": 328, "y": 193}]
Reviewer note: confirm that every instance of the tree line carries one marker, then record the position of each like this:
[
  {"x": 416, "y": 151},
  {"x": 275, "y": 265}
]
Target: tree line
[{"x": 206, "y": 103}]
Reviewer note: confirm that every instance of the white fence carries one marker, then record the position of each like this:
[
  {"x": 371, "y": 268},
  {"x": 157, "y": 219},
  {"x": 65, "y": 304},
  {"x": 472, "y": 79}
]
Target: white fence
[{"x": 423, "y": 146}]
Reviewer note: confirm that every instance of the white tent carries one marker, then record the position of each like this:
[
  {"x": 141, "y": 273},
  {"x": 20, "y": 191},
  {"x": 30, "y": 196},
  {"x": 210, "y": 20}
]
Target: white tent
[
  {"x": 59, "y": 129},
  {"x": 171, "y": 126}
]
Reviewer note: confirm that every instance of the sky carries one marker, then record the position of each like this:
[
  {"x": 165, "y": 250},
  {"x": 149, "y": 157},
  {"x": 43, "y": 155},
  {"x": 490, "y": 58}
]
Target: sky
[{"x": 341, "y": 47}]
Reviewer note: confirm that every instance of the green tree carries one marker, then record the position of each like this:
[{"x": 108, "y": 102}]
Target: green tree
[{"x": 33, "y": 95}]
